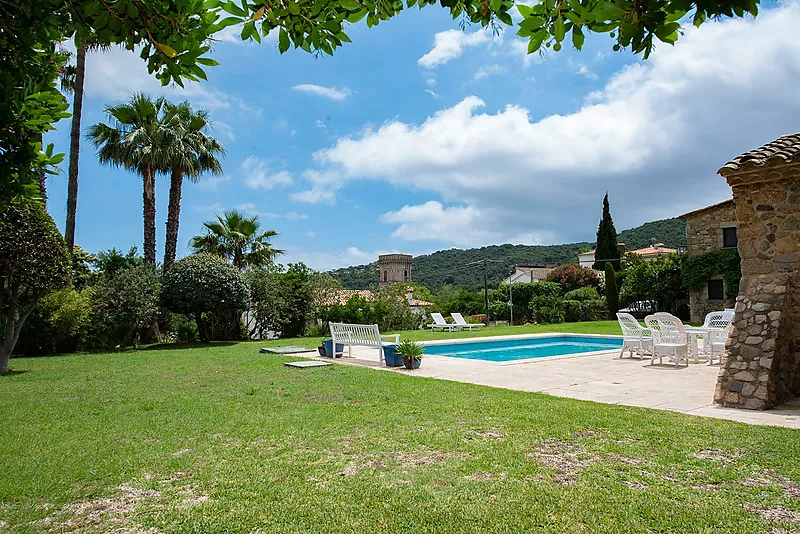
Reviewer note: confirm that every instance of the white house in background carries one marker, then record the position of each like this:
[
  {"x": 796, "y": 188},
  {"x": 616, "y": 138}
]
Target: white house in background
[
  {"x": 586, "y": 259},
  {"x": 527, "y": 273}
]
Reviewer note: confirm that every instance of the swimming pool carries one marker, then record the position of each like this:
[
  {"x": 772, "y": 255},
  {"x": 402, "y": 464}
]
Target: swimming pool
[{"x": 504, "y": 350}]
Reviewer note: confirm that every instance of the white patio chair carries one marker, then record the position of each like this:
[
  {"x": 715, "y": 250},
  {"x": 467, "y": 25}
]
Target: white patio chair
[
  {"x": 440, "y": 324},
  {"x": 669, "y": 338},
  {"x": 635, "y": 339},
  {"x": 459, "y": 320},
  {"x": 719, "y": 328}
]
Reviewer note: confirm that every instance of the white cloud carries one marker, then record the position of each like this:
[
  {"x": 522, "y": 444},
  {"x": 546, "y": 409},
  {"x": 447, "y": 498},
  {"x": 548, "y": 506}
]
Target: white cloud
[
  {"x": 118, "y": 73},
  {"x": 450, "y": 44},
  {"x": 486, "y": 71},
  {"x": 582, "y": 69},
  {"x": 257, "y": 176},
  {"x": 310, "y": 234},
  {"x": 434, "y": 94},
  {"x": 252, "y": 209},
  {"x": 320, "y": 124},
  {"x": 213, "y": 182},
  {"x": 294, "y": 216},
  {"x": 327, "y": 260},
  {"x": 209, "y": 208},
  {"x": 334, "y": 93},
  {"x": 315, "y": 195},
  {"x": 225, "y": 129},
  {"x": 518, "y": 47},
  {"x": 232, "y": 35},
  {"x": 653, "y": 137}
]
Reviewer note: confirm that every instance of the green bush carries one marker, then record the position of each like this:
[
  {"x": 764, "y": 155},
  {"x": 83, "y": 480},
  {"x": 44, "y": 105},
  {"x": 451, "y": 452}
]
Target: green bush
[
  {"x": 522, "y": 295},
  {"x": 58, "y": 324},
  {"x": 122, "y": 305},
  {"x": 548, "y": 309},
  {"x": 572, "y": 276},
  {"x": 33, "y": 263},
  {"x": 582, "y": 294},
  {"x": 612, "y": 293},
  {"x": 209, "y": 289},
  {"x": 499, "y": 310},
  {"x": 584, "y": 310}
]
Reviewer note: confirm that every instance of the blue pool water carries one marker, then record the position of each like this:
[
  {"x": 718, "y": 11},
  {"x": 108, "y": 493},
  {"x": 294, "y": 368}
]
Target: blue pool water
[{"x": 520, "y": 349}]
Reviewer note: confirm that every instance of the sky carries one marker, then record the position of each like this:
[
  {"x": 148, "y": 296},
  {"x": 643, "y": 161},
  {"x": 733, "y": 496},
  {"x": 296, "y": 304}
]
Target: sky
[{"x": 419, "y": 136}]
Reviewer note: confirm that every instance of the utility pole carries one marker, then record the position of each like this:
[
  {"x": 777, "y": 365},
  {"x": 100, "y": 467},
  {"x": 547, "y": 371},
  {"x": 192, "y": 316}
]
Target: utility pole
[
  {"x": 486, "y": 290},
  {"x": 511, "y": 300}
]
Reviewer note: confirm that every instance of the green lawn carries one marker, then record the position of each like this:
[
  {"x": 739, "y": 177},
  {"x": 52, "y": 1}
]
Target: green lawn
[{"x": 224, "y": 439}]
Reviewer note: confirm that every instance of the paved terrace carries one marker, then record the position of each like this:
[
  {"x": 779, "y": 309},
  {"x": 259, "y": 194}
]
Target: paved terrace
[{"x": 598, "y": 376}]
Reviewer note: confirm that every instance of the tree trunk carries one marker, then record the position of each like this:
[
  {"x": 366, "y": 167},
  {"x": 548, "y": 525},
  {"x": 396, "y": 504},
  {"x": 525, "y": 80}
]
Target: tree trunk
[
  {"x": 12, "y": 328},
  {"x": 75, "y": 146},
  {"x": 149, "y": 201},
  {"x": 173, "y": 219}
]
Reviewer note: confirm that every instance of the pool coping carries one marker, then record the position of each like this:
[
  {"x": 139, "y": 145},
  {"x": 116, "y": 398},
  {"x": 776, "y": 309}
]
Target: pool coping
[{"x": 522, "y": 361}]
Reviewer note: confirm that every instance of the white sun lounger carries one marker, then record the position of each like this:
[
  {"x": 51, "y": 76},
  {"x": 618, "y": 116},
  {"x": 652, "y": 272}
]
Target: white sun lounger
[
  {"x": 459, "y": 320},
  {"x": 440, "y": 324}
]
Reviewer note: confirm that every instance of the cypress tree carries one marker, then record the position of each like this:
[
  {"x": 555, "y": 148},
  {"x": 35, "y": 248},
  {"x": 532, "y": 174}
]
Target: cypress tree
[
  {"x": 606, "y": 240},
  {"x": 612, "y": 293}
]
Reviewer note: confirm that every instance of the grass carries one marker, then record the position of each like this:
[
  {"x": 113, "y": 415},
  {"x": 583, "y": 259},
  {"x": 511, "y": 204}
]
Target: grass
[{"x": 223, "y": 439}]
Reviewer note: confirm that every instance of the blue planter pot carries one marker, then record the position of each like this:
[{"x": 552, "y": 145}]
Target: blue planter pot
[
  {"x": 392, "y": 359},
  {"x": 329, "y": 348}
]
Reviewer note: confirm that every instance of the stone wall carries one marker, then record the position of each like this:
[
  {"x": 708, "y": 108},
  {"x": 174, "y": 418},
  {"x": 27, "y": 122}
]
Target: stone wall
[
  {"x": 704, "y": 234},
  {"x": 762, "y": 366},
  {"x": 394, "y": 268}
]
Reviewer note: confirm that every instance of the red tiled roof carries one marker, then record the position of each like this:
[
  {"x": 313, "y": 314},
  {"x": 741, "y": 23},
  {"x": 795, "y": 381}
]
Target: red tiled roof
[
  {"x": 656, "y": 249},
  {"x": 783, "y": 150},
  {"x": 725, "y": 204}
]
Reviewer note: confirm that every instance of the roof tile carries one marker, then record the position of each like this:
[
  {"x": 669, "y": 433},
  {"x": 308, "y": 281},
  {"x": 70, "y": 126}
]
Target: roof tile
[{"x": 785, "y": 149}]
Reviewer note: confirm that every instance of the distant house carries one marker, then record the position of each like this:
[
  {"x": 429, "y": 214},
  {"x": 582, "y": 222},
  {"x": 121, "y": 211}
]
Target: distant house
[
  {"x": 711, "y": 228},
  {"x": 586, "y": 259},
  {"x": 527, "y": 273},
  {"x": 654, "y": 251},
  {"x": 341, "y": 296}
]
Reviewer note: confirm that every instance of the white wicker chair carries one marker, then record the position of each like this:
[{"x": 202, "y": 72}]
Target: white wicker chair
[
  {"x": 635, "y": 339},
  {"x": 669, "y": 338},
  {"x": 719, "y": 327}
]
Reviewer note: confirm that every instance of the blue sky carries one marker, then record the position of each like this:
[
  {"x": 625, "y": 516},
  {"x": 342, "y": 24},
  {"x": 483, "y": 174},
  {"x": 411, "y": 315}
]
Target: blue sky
[{"x": 418, "y": 136}]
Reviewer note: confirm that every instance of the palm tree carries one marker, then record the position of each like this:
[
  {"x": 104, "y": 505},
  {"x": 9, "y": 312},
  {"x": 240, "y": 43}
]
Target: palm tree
[
  {"x": 72, "y": 81},
  {"x": 136, "y": 140},
  {"x": 192, "y": 153},
  {"x": 238, "y": 238}
]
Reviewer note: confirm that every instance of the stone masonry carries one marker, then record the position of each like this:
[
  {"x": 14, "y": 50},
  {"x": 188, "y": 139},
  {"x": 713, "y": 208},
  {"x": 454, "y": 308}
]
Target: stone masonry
[
  {"x": 762, "y": 367},
  {"x": 394, "y": 268},
  {"x": 703, "y": 234}
]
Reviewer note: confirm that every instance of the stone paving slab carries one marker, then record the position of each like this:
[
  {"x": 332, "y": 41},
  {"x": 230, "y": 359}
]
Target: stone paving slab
[{"x": 600, "y": 377}]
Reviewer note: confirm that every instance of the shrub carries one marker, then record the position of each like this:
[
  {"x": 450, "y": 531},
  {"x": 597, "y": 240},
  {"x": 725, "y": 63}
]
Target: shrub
[
  {"x": 548, "y": 309},
  {"x": 581, "y": 294},
  {"x": 58, "y": 324},
  {"x": 499, "y": 310},
  {"x": 612, "y": 293},
  {"x": 522, "y": 295},
  {"x": 584, "y": 310},
  {"x": 33, "y": 262},
  {"x": 574, "y": 276},
  {"x": 658, "y": 281},
  {"x": 122, "y": 305},
  {"x": 209, "y": 289}
]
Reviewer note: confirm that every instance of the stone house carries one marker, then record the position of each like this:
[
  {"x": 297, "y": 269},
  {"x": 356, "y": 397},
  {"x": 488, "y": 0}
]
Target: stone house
[
  {"x": 711, "y": 228},
  {"x": 762, "y": 367}
]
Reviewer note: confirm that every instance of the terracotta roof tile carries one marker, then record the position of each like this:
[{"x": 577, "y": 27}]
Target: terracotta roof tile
[
  {"x": 727, "y": 204},
  {"x": 649, "y": 251},
  {"x": 785, "y": 149}
]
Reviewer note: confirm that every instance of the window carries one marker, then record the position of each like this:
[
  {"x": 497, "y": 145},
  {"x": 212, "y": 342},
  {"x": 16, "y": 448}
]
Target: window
[
  {"x": 405, "y": 276},
  {"x": 715, "y": 290},
  {"x": 385, "y": 276},
  {"x": 729, "y": 239}
]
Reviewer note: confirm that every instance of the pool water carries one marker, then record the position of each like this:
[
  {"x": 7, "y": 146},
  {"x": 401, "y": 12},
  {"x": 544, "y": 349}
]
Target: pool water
[{"x": 521, "y": 349}]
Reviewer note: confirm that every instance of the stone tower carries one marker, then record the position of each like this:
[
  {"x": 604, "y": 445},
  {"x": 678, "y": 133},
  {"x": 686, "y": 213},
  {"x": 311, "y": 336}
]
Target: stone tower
[
  {"x": 763, "y": 364},
  {"x": 394, "y": 268}
]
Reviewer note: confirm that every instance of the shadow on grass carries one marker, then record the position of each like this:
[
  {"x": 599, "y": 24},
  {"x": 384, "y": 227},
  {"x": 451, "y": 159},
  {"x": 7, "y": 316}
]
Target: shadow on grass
[
  {"x": 192, "y": 345},
  {"x": 13, "y": 372}
]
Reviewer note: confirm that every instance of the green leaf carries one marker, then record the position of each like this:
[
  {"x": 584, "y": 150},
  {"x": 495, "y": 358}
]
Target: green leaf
[
  {"x": 558, "y": 29},
  {"x": 536, "y": 42},
  {"x": 577, "y": 37},
  {"x": 283, "y": 41},
  {"x": 233, "y": 9},
  {"x": 357, "y": 16},
  {"x": 505, "y": 18},
  {"x": 350, "y": 5},
  {"x": 168, "y": 50},
  {"x": 524, "y": 10},
  {"x": 208, "y": 61},
  {"x": 294, "y": 9},
  {"x": 496, "y": 5}
]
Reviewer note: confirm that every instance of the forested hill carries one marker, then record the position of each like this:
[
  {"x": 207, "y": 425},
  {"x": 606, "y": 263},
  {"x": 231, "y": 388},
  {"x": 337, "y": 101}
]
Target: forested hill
[{"x": 450, "y": 266}]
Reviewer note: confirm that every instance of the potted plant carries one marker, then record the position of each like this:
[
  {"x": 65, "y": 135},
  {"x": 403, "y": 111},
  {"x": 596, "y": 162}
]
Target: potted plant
[
  {"x": 411, "y": 353},
  {"x": 391, "y": 356}
]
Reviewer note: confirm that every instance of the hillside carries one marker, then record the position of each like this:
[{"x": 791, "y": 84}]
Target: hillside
[{"x": 450, "y": 266}]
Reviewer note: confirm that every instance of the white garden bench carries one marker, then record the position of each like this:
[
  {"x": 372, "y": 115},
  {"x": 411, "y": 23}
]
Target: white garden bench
[{"x": 363, "y": 335}]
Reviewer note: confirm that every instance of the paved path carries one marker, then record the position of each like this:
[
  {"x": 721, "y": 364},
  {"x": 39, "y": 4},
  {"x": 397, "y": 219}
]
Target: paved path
[{"x": 599, "y": 377}]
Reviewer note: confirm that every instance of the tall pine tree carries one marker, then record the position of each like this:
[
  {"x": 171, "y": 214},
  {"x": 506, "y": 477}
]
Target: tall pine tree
[{"x": 606, "y": 240}]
